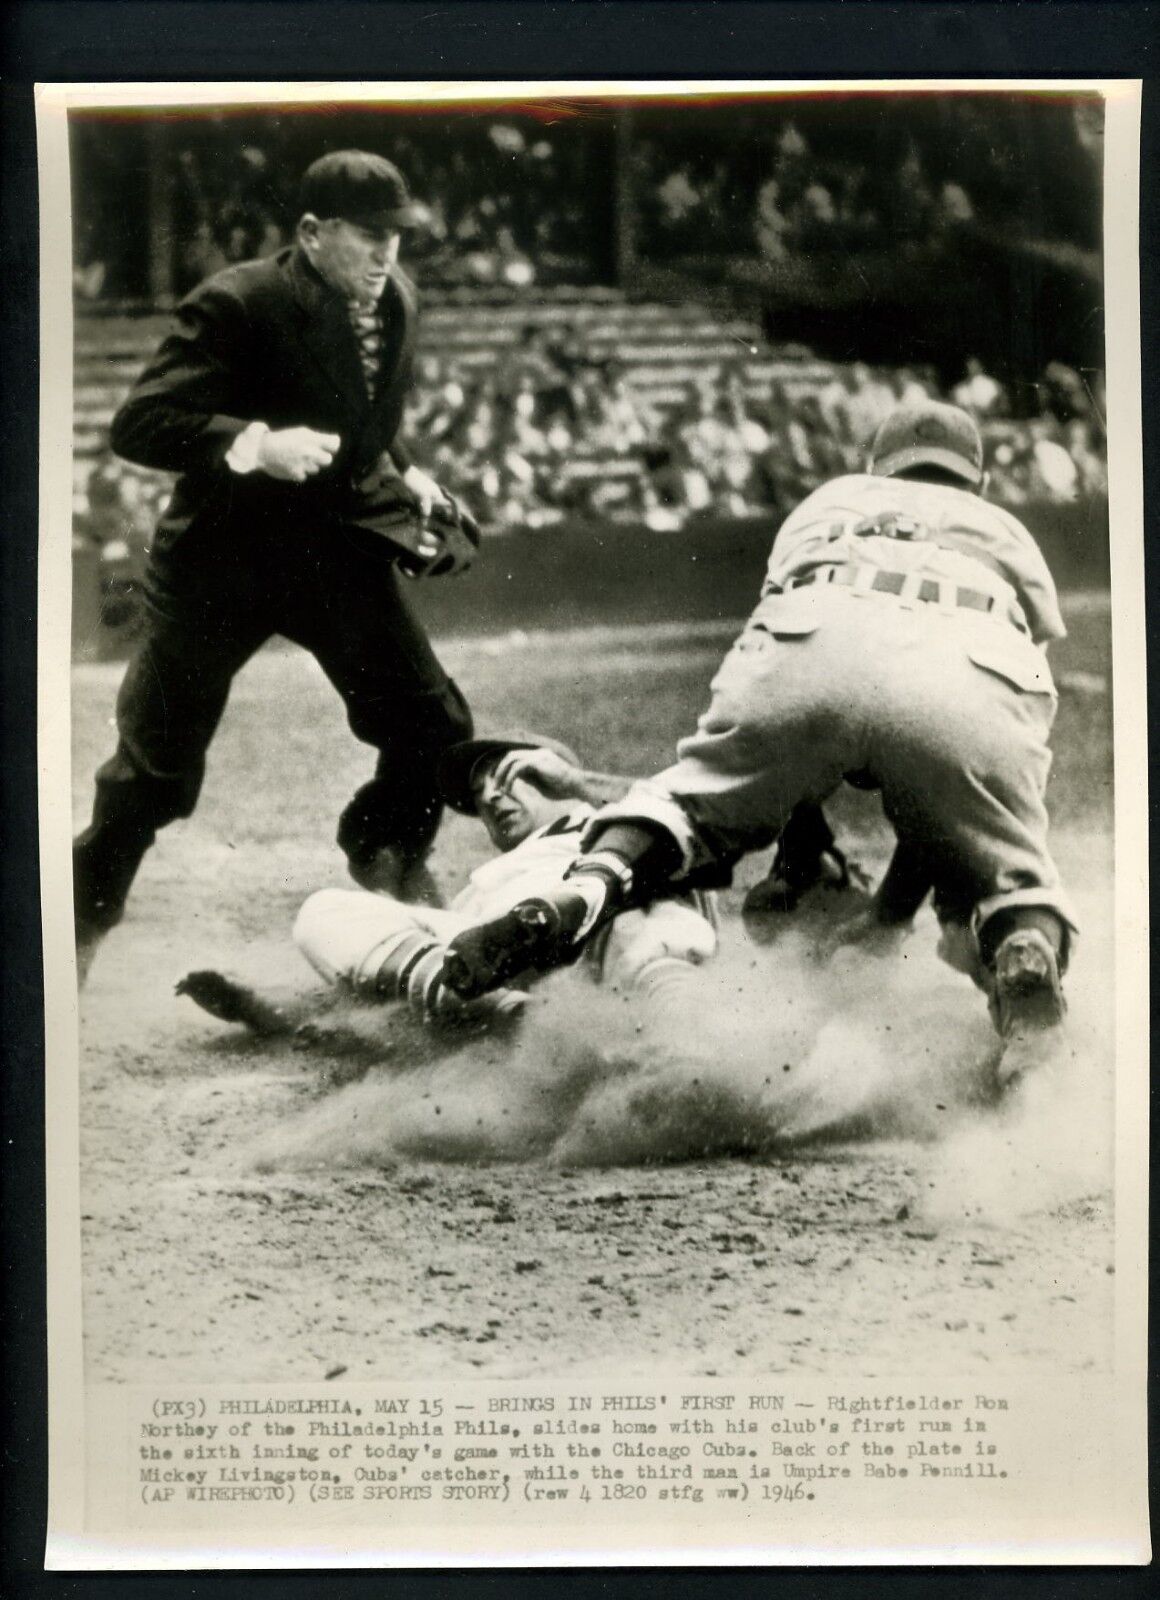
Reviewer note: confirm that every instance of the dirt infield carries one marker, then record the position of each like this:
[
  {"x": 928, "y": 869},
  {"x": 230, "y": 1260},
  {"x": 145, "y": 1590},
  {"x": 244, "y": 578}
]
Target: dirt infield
[{"x": 802, "y": 1174}]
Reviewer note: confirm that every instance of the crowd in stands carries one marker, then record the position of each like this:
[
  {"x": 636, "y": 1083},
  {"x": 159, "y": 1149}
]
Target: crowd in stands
[
  {"x": 511, "y": 202},
  {"x": 546, "y": 436},
  {"x": 545, "y": 439},
  {"x": 508, "y": 202},
  {"x": 515, "y": 199},
  {"x": 794, "y": 204}
]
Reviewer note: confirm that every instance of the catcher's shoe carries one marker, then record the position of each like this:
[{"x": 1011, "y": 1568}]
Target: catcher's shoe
[
  {"x": 1027, "y": 1002},
  {"x": 536, "y": 935},
  {"x": 792, "y": 877}
]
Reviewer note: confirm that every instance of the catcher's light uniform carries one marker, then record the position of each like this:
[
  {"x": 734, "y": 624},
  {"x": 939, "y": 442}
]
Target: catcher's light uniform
[
  {"x": 345, "y": 934},
  {"x": 900, "y": 633}
]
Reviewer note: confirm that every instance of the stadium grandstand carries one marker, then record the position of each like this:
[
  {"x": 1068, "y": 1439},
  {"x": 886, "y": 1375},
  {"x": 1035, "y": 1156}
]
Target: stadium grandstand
[{"x": 634, "y": 317}]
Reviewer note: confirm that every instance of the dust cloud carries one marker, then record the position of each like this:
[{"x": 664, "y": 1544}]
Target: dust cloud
[{"x": 769, "y": 1052}]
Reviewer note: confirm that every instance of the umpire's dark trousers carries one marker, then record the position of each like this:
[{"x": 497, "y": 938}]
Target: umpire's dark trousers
[{"x": 207, "y": 611}]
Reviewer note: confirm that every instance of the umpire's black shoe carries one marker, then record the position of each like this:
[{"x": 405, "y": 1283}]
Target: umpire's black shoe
[
  {"x": 536, "y": 935},
  {"x": 89, "y": 936},
  {"x": 94, "y": 915}
]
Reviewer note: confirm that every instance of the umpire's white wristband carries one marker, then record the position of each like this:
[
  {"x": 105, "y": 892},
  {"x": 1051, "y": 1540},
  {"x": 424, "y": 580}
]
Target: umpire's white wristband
[{"x": 242, "y": 455}]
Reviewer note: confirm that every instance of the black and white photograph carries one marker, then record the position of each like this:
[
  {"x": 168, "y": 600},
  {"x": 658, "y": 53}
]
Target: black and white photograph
[{"x": 594, "y": 820}]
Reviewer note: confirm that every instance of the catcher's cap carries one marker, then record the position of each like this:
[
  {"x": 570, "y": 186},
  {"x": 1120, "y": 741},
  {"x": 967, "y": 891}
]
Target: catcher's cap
[
  {"x": 457, "y": 764},
  {"x": 361, "y": 188},
  {"x": 932, "y": 434}
]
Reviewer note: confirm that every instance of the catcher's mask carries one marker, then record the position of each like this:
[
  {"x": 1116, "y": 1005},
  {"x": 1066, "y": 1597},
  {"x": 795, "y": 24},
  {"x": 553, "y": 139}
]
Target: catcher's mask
[{"x": 458, "y": 764}]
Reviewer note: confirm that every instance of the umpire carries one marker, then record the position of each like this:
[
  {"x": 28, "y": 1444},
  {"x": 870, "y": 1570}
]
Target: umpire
[{"x": 277, "y": 397}]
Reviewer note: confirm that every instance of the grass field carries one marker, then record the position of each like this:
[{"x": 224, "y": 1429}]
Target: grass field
[{"x": 569, "y": 1205}]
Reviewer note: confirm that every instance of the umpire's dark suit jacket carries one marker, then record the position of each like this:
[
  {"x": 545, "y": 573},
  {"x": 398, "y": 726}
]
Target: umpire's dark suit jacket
[
  {"x": 269, "y": 341},
  {"x": 237, "y": 558}
]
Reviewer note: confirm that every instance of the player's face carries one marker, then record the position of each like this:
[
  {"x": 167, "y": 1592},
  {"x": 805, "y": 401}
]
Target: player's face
[
  {"x": 511, "y": 813},
  {"x": 353, "y": 259}
]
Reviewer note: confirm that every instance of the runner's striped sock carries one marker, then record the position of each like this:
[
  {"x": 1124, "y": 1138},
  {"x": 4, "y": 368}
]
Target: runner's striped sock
[{"x": 411, "y": 971}]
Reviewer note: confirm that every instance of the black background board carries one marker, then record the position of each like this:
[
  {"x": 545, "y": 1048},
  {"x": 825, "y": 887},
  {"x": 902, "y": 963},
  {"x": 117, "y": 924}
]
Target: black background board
[{"x": 171, "y": 40}]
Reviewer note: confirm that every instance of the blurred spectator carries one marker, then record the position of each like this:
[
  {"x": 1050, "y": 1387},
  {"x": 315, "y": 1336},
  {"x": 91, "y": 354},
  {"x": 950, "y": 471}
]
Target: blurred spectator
[
  {"x": 631, "y": 421},
  {"x": 89, "y": 280},
  {"x": 770, "y": 224},
  {"x": 1065, "y": 394},
  {"x": 115, "y": 517},
  {"x": 979, "y": 393},
  {"x": 227, "y": 208},
  {"x": 120, "y": 504},
  {"x": 955, "y": 204},
  {"x": 1085, "y": 445},
  {"x": 912, "y": 201},
  {"x": 855, "y": 401},
  {"x": 908, "y": 388},
  {"x": 1053, "y": 475},
  {"x": 678, "y": 484},
  {"x": 678, "y": 197}
]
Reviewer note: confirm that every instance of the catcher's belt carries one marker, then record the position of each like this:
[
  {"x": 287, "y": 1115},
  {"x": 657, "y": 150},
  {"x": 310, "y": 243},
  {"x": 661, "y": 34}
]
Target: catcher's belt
[
  {"x": 887, "y": 525},
  {"x": 930, "y": 591}
]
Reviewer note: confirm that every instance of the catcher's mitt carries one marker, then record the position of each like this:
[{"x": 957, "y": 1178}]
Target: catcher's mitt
[{"x": 386, "y": 507}]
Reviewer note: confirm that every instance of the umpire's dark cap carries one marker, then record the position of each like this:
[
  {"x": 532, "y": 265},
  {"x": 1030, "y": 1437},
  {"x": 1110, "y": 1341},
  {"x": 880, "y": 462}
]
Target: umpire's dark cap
[
  {"x": 929, "y": 434},
  {"x": 361, "y": 188},
  {"x": 458, "y": 764}
]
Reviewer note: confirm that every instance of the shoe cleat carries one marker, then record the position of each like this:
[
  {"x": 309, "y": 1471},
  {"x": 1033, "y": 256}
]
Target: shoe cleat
[
  {"x": 535, "y": 935},
  {"x": 1027, "y": 1004}
]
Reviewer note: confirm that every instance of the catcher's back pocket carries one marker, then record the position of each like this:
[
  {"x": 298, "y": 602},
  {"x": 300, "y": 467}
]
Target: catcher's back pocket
[
  {"x": 758, "y": 655},
  {"x": 786, "y": 616},
  {"x": 1017, "y": 661}
]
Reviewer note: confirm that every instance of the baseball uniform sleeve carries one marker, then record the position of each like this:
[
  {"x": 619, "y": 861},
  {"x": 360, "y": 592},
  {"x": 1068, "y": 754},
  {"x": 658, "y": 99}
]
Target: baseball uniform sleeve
[
  {"x": 1031, "y": 579},
  {"x": 803, "y": 536}
]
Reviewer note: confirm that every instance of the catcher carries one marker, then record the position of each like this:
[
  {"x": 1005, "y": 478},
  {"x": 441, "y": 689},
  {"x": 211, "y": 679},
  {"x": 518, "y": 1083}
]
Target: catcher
[{"x": 899, "y": 636}]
